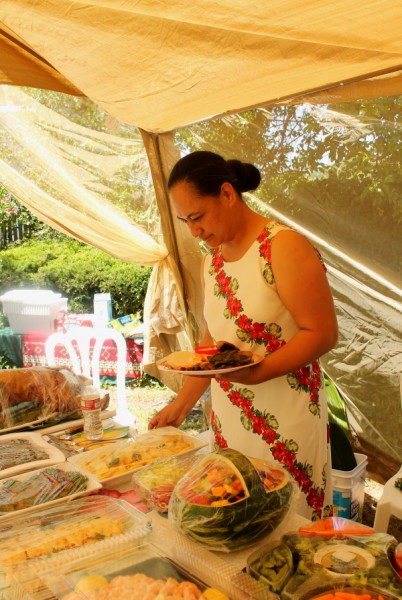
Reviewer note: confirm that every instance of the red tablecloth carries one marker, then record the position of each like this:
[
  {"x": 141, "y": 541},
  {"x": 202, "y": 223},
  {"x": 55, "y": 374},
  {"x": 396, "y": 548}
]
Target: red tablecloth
[{"x": 33, "y": 355}]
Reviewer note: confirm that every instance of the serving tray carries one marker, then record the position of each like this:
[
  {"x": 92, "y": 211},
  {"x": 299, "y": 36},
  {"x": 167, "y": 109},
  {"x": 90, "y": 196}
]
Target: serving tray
[{"x": 54, "y": 455}]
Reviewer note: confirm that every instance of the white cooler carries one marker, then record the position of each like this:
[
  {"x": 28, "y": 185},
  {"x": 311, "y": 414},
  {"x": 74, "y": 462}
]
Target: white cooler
[{"x": 33, "y": 311}]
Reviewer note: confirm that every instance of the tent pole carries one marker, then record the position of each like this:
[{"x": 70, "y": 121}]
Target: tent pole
[{"x": 182, "y": 247}]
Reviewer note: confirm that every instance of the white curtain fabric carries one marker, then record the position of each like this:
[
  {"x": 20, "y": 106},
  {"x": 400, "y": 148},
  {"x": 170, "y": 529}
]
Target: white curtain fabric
[
  {"x": 65, "y": 174},
  {"x": 72, "y": 177}
]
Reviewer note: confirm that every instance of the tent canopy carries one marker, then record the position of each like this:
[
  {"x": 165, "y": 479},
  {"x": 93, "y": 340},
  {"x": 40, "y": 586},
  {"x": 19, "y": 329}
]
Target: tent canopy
[{"x": 165, "y": 66}]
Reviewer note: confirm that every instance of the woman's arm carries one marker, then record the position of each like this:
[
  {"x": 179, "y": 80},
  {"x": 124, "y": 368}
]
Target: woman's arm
[
  {"x": 193, "y": 388},
  {"x": 302, "y": 285},
  {"x": 175, "y": 412}
]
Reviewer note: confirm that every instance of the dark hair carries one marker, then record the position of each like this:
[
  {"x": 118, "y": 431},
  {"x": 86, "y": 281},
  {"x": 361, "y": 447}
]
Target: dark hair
[{"x": 207, "y": 171}]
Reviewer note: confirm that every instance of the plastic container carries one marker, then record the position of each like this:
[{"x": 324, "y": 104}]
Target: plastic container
[
  {"x": 33, "y": 311},
  {"x": 50, "y": 539},
  {"x": 348, "y": 490},
  {"x": 115, "y": 464},
  {"x": 41, "y": 488},
  {"x": 156, "y": 481},
  {"x": 130, "y": 572},
  {"x": 102, "y": 309},
  {"x": 272, "y": 564},
  {"x": 71, "y": 530}
]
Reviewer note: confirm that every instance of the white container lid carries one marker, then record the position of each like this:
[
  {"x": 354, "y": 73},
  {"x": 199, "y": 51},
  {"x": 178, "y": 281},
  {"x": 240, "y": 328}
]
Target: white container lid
[{"x": 30, "y": 296}]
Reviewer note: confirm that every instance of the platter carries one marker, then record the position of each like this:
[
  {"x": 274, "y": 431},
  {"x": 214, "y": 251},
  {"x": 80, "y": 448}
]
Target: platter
[
  {"x": 36, "y": 442},
  {"x": 92, "y": 485},
  {"x": 96, "y": 461},
  {"x": 209, "y": 372}
]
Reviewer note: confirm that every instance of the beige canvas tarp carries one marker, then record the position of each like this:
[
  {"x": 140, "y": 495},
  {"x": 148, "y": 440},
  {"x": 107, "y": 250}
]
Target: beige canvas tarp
[{"x": 164, "y": 66}]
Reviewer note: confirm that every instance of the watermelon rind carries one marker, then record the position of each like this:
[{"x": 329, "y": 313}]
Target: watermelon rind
[{"x": 235, "y": 526}]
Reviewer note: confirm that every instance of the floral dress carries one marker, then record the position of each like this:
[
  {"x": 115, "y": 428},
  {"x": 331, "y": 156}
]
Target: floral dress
[{"x": 284, "y": 419}]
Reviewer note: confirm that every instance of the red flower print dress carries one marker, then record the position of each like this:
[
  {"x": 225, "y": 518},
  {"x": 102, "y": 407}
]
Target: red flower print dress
[{"x": 284, "y": 419}]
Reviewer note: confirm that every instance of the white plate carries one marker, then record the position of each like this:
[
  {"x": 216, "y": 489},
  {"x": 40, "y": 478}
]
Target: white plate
[
  {"x": 92, "y": 485},
  {"x": 85, "y": 459},
  {"x": 54, "y": 454},
  {"x": 208, "y": 373}
]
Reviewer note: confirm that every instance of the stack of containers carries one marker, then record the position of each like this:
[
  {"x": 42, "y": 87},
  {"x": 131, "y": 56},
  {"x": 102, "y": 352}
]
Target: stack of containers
[
  {"x": 125, "y": 573},
  {"x": 50, "y": 538}
]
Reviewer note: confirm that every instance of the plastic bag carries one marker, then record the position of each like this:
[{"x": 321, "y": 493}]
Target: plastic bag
[
  {"x": 39, "y": 393},
  {"x": 227, "y": 501}
]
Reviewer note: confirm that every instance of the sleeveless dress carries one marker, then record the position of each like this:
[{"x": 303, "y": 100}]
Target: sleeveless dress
[{"x": 284, "y": 419}]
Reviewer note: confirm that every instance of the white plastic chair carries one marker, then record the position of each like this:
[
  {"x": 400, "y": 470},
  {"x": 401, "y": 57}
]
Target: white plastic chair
[{"x": 86, "y": 362}]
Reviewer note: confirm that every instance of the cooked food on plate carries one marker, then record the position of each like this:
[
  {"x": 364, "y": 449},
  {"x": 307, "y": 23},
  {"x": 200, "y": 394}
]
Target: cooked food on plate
[{"x": 224, "y": 355}]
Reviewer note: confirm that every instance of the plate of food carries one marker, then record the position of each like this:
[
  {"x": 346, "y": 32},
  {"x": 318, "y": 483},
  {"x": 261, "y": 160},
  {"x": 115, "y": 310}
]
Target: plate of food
[{"x": 207, "y": 361}]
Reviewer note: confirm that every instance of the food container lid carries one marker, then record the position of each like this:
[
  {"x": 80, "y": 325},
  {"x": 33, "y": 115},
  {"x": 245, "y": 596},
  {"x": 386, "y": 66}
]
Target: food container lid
[
  {"x": 335, "y": 526},
  {"x": 122, "y": 568},
  {"x": 272, "y": 564},
  {"x": 80, "y": 526},
  {"x": 44, "y": 488},
  {"x": 115, "y": 464},
  {"x": 156, "y": 481}
]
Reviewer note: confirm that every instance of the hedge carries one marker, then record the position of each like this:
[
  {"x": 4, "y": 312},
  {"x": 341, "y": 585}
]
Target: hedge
[{"x": 77, "y": 271}]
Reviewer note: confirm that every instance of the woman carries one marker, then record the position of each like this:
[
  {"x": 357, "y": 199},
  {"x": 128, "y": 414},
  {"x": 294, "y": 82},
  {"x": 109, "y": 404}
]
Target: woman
[{"x": 265, "y": 290}]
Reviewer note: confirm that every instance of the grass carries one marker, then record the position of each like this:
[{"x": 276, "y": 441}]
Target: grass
[{"x": 147, "y": 396}]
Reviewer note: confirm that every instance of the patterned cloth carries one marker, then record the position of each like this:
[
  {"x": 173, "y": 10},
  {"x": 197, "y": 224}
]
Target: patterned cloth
[
  {"x": 33, "y": 355},
  {"x": 285, "y": 419}
]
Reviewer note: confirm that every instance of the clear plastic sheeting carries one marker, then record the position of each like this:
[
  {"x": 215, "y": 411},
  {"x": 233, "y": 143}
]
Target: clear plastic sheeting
[{"x": 335, "y": 174}]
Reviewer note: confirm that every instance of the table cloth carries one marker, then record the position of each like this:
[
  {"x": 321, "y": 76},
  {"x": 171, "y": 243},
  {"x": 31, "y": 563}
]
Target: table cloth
[{"x": 33, "y": 355}]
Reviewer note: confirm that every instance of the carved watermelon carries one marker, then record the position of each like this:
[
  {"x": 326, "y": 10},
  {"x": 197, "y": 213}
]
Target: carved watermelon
[{"x": 226, "y": 503}]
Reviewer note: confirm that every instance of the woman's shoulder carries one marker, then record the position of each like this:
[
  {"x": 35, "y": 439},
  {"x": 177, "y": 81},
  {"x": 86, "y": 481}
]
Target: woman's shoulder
[{"x": 272, "y": 228}]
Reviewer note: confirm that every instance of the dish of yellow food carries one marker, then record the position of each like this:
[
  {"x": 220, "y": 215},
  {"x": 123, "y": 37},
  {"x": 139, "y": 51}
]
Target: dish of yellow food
[{"x": 124, "y": 457}]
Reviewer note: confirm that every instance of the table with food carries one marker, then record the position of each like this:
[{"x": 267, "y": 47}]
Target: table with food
[{"x": 158, "y": 515}]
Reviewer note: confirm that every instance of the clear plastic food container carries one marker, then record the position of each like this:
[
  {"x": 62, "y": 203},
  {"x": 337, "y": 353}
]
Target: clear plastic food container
[
  {"x": 156, "y": 481},
  {"x": 134, "y": 573},
  {"x": 52, "y": 538},
  {"x": 272, "y": 564},
  {"x": 115, "y": 465},
  {"x": 45, "y": 487}
]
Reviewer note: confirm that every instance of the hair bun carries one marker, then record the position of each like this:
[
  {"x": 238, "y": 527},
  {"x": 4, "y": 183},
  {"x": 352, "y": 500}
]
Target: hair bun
[{"x": 247, "y": 174}]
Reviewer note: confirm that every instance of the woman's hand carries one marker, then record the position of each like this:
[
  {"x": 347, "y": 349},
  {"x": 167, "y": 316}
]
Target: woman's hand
[{"x": 172, "y": 415}]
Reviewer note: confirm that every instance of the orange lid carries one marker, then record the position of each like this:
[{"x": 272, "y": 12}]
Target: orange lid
[{"x": 332, "y": 526}]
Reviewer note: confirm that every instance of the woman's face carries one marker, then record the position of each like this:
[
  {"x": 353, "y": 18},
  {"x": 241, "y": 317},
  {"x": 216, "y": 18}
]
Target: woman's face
[{"x": 207, "y": 217}]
